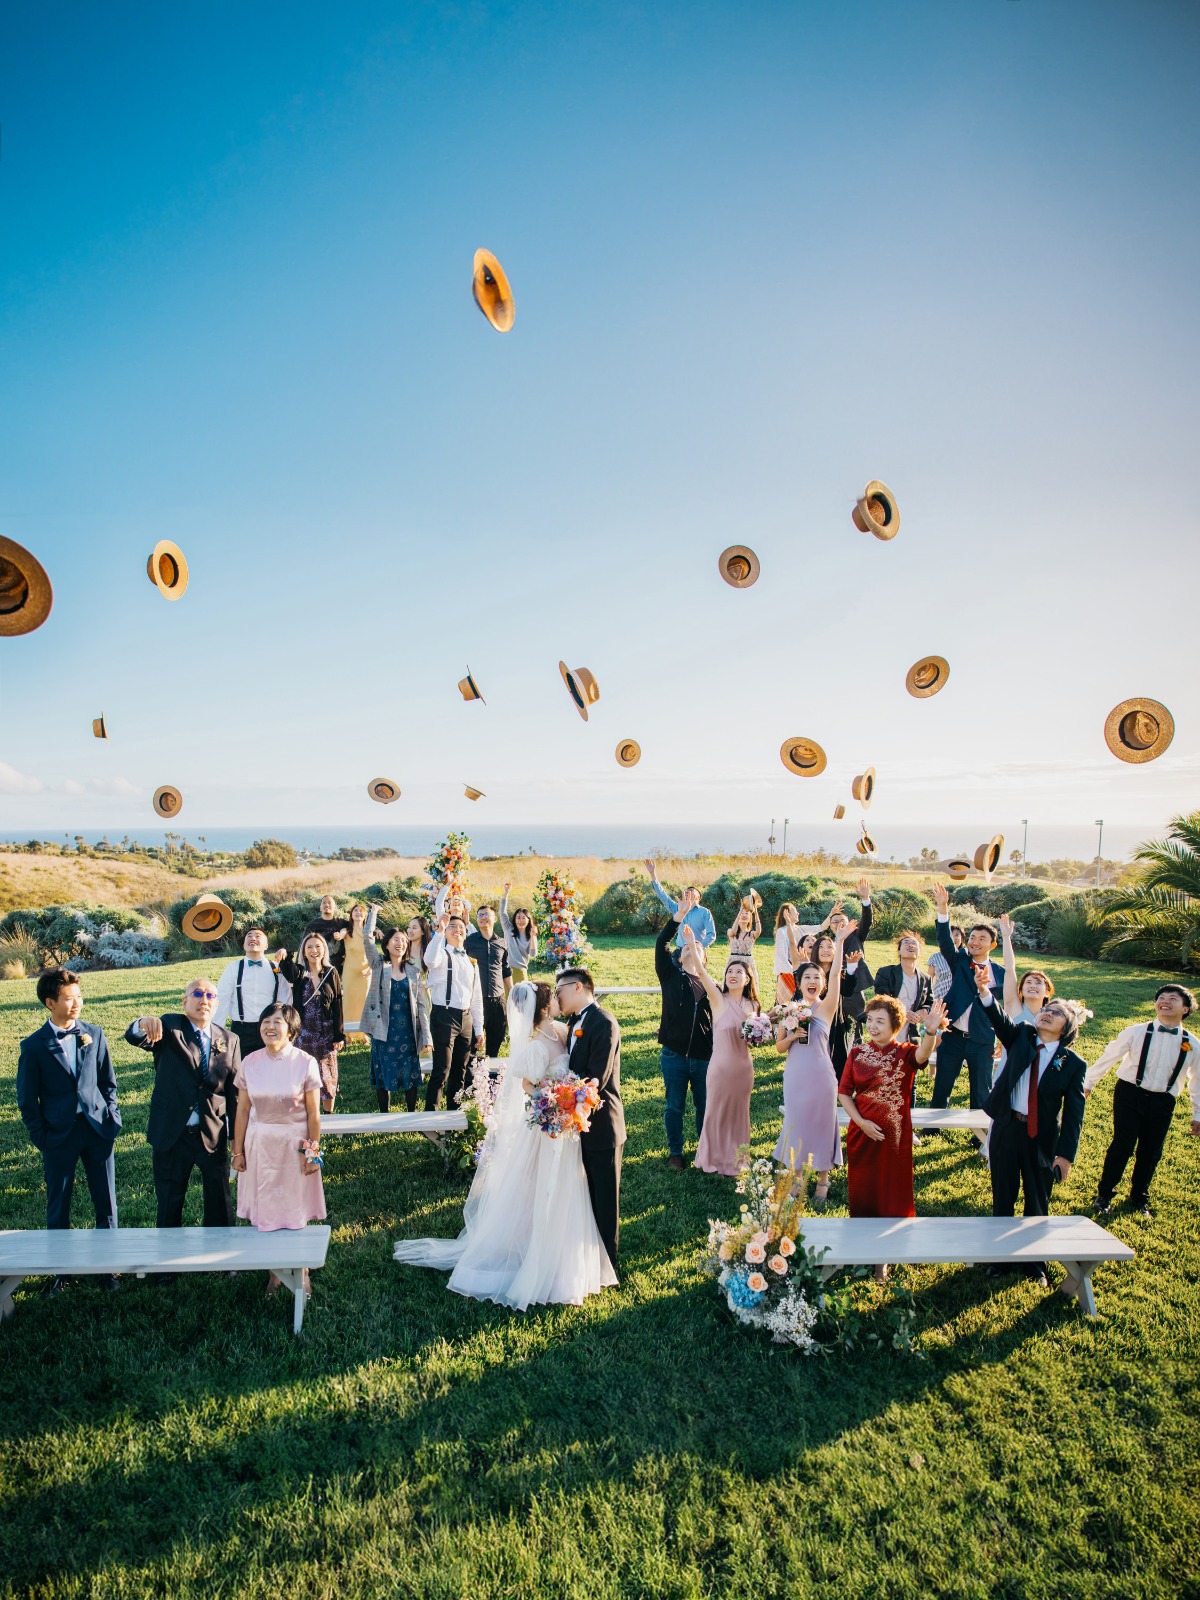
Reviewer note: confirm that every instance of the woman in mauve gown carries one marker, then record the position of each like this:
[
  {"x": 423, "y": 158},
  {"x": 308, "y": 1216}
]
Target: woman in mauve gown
[
  {"x": 730, "y": 1075},
  {"x": 810, "y": 1087}
]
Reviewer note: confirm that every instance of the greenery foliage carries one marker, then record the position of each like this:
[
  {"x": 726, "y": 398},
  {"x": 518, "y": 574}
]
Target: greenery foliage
[
  {"x": 1158, "y": 919},
  {"x": 81, "y": 936},
  {"x": 894, "y": 910},
  {"x": 271, "y": 853}
]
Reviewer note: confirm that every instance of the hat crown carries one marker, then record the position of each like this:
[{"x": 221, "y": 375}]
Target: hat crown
[
  {"x": 14, "y": 587},
  {"x": 1139, "y": 729}
]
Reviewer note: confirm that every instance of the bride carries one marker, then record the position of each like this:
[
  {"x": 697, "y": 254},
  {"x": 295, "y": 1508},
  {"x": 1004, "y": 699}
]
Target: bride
[{"x": 529, "y": 1235}]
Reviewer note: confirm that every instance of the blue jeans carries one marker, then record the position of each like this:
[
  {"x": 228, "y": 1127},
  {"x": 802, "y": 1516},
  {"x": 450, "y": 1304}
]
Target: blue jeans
[{"x": 678, "y": 1072}]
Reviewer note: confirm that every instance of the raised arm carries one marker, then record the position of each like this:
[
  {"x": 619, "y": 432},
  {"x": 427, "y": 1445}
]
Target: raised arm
[
  {"x": 999, "y": 1021},
  {"x": 662, "y": 954},
  {"x": 694, "y": 966},
  {"x": 864, "y": 922},
  {"x": 658, "y": 888},
  {"x": 826, "y": 1008},
  {"x": 927, "y": 1041},
  {"x": 945, "y": 942},
  {"x": 1011, "y": 1000},
  {"x": 505, "y": 925},
  {"x": 375, "y": 956}
]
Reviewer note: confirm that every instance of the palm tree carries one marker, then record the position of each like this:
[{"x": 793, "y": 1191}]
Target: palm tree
[{"x": 1158, "y": 918}]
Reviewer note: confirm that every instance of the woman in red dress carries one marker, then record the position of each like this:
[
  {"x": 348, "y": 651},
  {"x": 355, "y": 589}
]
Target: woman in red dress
[{"x": 876, "y": 1090}]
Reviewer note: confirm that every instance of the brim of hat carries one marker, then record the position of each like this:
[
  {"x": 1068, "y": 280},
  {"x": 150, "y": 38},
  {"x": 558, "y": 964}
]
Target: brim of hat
[
  {"x": 728, "y": 555},
  {"x": 938, "y": 684},
  {"x": 803, "y": 772},
  {"x": 39, "y": 596},
  {"x": 881, "y": 530},
  {"x": 383, "y": 799},
  {"x": 1112, "y": 730},
  {"x": 573, "y": 689},
  {"x": 495, "y": 303},
  {"x": 170, "y": 591}
]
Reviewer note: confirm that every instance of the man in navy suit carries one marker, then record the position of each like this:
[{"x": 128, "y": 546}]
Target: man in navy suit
[
  {"x": 67, "y": 1097},
  {"x": 968, "y": 1037}
]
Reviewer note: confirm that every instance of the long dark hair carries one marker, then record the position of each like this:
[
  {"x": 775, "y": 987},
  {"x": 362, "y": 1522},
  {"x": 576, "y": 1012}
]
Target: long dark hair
[
  {"x": 387, "y": 938},
  {"x": 816, "y": 967},
  {"x": 750, "y": 992},
  {"x": 823, "y": 938},
  {"x": 426, "y": 934},
  {"x": 522, "y": 912}
]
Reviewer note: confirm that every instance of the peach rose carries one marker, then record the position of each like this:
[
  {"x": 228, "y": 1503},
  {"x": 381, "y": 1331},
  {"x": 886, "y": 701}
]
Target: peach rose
[
  {"x": 761, "y": 1237},
  {"x": 777, "y": 1265},
  {"x": 755, "y": 1252},
  {"x": 787, "y": 1247},
  {"x": 756, "y": 1283}
]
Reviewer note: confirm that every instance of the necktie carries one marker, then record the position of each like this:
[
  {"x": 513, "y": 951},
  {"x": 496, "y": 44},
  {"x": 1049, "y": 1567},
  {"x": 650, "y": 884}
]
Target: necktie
[{"x": 1031, "y": 1105}]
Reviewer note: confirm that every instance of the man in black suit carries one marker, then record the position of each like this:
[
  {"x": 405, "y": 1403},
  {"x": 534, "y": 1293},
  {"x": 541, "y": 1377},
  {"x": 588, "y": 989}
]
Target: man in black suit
[
  {"x": 67, "y": 1097},
  {"x": 195, "y": 1063},
  {"x": 1036, "y": 1104},
  {"x": 594, "y": 1048},
  {"x": 846, "y": 1028},
  {"x": 968, "y": 1038}
]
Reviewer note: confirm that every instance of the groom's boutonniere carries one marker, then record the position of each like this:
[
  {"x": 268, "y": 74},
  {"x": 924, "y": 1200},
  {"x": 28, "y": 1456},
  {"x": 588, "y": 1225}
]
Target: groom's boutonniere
[
  {"x": 85, "y": 1039},
  {"x": 579, "y": 1032}
]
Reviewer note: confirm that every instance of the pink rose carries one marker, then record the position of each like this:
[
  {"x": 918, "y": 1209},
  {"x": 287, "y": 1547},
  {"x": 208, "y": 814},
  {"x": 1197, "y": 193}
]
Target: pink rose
[
  {"x": 787, "y": 1247},
  {"x": 761, "y": 1237},
  {"x": 755, "y": 1252},
  {"x": 777, "y": 1265},
  {"x": 756, "y": 1283}
]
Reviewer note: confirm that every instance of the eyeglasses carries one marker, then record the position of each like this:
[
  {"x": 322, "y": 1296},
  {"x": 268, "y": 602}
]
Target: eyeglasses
[{"x": 202, "y": 994}]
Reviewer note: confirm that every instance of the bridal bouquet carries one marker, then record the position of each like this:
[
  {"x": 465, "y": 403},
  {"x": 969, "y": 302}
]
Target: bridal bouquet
[
  {"x": 794, "y": 1016},
  {"x": 758, "y": 1029},
  {"x": 562, "y": 1107}
]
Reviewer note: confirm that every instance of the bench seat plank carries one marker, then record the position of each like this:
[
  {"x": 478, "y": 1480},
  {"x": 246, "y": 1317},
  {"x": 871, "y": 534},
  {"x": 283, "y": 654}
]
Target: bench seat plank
[{"x": 338, "y": 1123}]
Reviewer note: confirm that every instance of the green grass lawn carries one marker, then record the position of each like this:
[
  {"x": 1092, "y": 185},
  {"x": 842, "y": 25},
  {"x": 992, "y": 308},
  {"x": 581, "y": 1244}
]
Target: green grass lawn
[{"x": 181, "y": 1441}]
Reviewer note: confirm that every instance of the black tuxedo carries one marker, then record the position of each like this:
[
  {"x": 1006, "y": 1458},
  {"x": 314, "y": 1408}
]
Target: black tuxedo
[
  {"x": 71, "y": 1117},
  {"x": 890, "y": 980},
  {"x": 975, "y": 1047},
  {"x": 595, "y": 1052},
  {"x": 181, "y": 1085},
  {"x": 1017, "y": 1160}
]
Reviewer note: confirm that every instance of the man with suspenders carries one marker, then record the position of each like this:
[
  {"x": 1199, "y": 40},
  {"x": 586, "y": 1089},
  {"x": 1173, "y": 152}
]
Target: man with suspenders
[
  {"x": 1150, "y": 1058},
  {"x": 246, "y": 988}
]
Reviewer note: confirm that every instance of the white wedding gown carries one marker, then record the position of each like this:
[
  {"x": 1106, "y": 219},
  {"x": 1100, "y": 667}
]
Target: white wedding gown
[{"x": 529, "y": 1235}]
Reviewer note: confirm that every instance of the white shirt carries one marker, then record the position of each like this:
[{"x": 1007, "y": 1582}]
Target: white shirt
[
  {"x": 1126, "y": 1049},
  {"x": 577, "y": 1022},
  {"x": 68, "y": 1043},
  {"x": 465, "y": 994},
  {"x": 1019, "y": 1099},
  {"x": 261, "y": 987}
]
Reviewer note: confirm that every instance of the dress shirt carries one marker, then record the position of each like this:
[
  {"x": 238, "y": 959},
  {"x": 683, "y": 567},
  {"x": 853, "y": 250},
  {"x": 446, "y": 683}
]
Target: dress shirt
[
  {"x": 261, "y": 987},
  {"x": 465, "y": 991},
  {"x": 1019, "y": 1099},
  {"x": 68, "y": 1043},
  {"x": 963, "y": 1024},
  {"x": 1125, "y": 1051},
  {"x": 491, "y": 955},
  {"x": 699, "y": 919}
]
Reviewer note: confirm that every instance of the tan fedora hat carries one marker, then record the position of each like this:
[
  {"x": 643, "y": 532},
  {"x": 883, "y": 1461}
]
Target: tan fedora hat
[
  {"x": 473, "y": 794},
  {"x": 804, "y": 757},
  {"x": 489, "y": 285},
  {"x": 99, "y": 727},
  {"x": 839, "y": 811},
  {"x": 957, "y": 868},
  {"x": 469, "y": 689},
  {"x": 752, "y": 901},
  {"x": 168, "y": 801},
  {"x": 876, "y": 511},
  {"x": 167, "y": 569},
  {"x": 863, "y": 788},
  {"x": 1138, "y": 729},
  {"x": 210, "y": 918},
  {"x": 739, "y": 566},
  {"x": 583, "y": 688},
  {"x": 987, "y": 856},
  {"x": 25, "y": 592},
  {"x": 629, "y": 753},
  {"x": 865, "y": 845},
  {"x": 927, "y": 676},
  {"x": 385, "y": 790}
]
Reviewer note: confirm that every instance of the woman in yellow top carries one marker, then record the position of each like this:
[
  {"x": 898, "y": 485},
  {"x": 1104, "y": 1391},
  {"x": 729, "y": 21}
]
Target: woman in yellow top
[{"x": 356, "y": 972}]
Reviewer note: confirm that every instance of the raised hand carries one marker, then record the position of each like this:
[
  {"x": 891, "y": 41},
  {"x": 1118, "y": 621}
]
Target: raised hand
[
  {"x": 1005, "y": 924},
  {"x": 652, "y": 870},
  {"x": 941, "y": 898},
  {"x": 935, "y": 1017},
  {"x": 689, "y": 935},
  {"x": 864, "y": 888},
  {"x": 507, "y": 885},
  {"x": 983, "y": 979},
  {"x": 151, "y": 1029},
  {"x": 280, "y": 955},
  {"x": 844, "y": 932}
]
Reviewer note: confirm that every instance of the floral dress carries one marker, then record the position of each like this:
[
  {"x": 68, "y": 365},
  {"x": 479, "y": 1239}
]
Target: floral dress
[
  {"x": 880, "y": 1178},
  {"x": 395, "y": 1063},
  {"x": 319, "y": 1033}
]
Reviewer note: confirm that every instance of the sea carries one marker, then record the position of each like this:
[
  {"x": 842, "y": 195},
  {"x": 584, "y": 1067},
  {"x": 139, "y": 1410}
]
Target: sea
[{"x": 620, "y": 840}]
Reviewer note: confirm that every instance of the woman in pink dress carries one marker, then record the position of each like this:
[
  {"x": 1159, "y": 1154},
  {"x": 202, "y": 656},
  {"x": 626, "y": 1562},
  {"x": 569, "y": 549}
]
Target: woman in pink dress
[
  {"x": 276, "y": 1139},
  {"x": 730, "y": 1074}
]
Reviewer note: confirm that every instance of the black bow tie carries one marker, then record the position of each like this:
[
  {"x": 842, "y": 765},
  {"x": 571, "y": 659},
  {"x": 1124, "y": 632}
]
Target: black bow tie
[
  {"x": 69, "y": 1033},
  {"x": 1161, "y": 1029}
]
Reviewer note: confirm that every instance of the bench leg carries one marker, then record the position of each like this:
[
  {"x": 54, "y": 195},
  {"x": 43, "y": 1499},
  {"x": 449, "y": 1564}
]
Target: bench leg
[
  {"x": 8, "y": 1287},
  {"x": 293, "y": 1279},
  {"x": 1077, "y": 1285}
]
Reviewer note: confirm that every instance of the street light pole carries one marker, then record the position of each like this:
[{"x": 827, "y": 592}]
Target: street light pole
[
  {"x": 1099, "y": 847},
  {"x": 1024, "y": 844},
  {"x": 785, "y": 823},
  {"x": 771, "y": 840}
]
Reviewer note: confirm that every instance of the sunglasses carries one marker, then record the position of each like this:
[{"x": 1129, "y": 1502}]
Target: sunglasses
[{"x": 202, "y": 994}]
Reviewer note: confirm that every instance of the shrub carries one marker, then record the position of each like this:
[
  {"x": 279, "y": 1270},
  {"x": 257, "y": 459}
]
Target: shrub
[
  {"x": 66, "y": 933},
  {"x": 1030, "y": 923},
  {"x": 19, "y": 955},
  {"x": 894, "y": 910},
  {"x": 1074, "y": 931},
  {"x": 1006, "y": 897},
  {"x": 387, "y": 889},
  {"x": 271, "y": 853},
  {"x": 812, "y": 896},
  {"x": 628, "y": 906},
  {"x": 133, "y": 948}
]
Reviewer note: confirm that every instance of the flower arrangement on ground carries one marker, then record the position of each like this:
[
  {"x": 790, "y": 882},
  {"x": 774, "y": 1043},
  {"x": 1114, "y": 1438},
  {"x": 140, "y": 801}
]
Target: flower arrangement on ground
[
  {"x": 767, "y": 1277},
  {"x": 471, "y": 1146},
  {"x": 562, "y": 1107},
  {"x": 449, "y": 864},
  {"x": 559, "y": 915}
]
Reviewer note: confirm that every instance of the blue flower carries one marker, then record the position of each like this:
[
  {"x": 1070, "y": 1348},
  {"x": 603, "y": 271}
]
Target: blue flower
[{"x": 740, "y": 1294}]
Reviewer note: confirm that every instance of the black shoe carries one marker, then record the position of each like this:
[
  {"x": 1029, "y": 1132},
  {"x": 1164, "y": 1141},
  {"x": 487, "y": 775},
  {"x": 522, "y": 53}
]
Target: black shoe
[
  {"x": 57, "y": 1284},
  {"x": 976, "y": 1142},
  {"x": 997, "y": 1270},
  {"x": 1038, "y": 1273},
  {"x": 109, "y": 1282},
  {"x": 1102, "y": 1207},
  {"x": 165, "y": 1278},
  {"x": 675, "y": 1163},
  {"x": 1141, "y": 1208}
]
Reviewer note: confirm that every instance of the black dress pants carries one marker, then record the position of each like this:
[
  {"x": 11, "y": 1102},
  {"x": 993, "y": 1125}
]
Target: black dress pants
[
  {"x": 602, "y": 1165},
  {"x": 495, "y": 1025},
  {"x": 173, "y": 1169},
  {"x": 59, "y": 1164},
  {"x": 452, "y": 1031},
  {"x": 1016, "y": 1164},
  {"x": 953, "y": 1049},
  {"x": 1141, "y": 1122}
]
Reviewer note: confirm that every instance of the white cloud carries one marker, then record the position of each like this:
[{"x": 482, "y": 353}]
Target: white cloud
[
  {"x": 120, "y": 786},
  {"x": 14, "y": 782},
  {"x": 72, "y": 786}
]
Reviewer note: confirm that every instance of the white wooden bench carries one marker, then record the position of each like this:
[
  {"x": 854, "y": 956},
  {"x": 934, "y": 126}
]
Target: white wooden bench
[
  {"x": 338, "y": 1123},
  {"x": 603, "y": 994},
  {"x": 945, "y": 1117},
  {"x": 1077, "y": 1242},
  {"x": 83, "y": 1252}
]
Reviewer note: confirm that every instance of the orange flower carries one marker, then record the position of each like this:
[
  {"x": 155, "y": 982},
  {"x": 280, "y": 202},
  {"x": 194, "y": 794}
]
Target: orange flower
[
  {"x": 777, "y": 1265},
  {"x": 787, "y": 1247},
  {"x": 756, "y": 1283},
  {"x": 755, "y": 1252}
]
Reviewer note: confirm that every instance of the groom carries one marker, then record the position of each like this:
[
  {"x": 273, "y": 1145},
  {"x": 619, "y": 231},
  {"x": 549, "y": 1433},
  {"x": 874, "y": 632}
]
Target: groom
[{"x": 594, "y": 1050}]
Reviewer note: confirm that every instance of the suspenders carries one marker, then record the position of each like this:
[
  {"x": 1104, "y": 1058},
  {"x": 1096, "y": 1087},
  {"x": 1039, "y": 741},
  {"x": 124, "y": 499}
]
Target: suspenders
[
  {"x": 241, "y": 1008},
  {"x": 1145, "y": 1056}
]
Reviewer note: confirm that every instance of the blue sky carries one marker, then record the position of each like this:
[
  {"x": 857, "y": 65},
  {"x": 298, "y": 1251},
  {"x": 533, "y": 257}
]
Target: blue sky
[{"x": 759, "y": 256}]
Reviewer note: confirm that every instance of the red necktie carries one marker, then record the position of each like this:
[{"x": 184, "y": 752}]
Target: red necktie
[{"x": 1031, "y": 1104}]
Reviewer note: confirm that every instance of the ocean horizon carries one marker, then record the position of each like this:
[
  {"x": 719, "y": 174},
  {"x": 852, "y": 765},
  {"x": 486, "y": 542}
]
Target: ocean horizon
[{"x": 894, "y": 843}]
